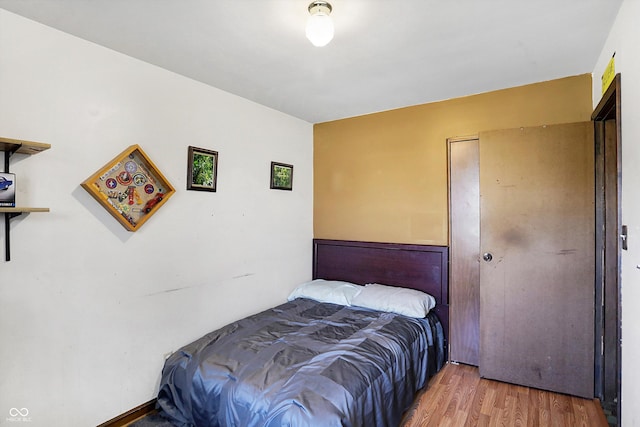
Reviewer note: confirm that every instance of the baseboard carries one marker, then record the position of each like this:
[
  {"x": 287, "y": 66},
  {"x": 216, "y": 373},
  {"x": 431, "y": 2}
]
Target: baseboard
[{"x": 131, "y": 415}]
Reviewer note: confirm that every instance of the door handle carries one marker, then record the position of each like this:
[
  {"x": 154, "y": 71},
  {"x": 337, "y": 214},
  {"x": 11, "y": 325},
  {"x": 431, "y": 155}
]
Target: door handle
[
  {"x": 487, "y": 256},
  {"x": 624, "y": 236}
]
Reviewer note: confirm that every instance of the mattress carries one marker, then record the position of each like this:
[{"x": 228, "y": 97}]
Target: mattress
[{"x": 303, "y": 363}]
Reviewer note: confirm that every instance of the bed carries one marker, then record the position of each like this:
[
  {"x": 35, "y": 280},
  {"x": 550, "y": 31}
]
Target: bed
[{"x": 320, "y": 362}]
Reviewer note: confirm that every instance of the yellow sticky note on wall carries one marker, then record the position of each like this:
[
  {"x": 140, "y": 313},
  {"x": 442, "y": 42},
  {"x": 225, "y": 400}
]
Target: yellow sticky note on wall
[{"x": 609, "y": 73}]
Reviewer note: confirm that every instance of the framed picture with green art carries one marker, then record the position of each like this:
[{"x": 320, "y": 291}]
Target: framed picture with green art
[
  {"x": 281, "y": 176},
  {"x": 202, "y": 169}
]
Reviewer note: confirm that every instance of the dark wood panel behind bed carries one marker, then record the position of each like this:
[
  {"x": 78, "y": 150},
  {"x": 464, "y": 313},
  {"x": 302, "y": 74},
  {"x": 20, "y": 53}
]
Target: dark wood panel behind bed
[{"x": 421, "y": 267}]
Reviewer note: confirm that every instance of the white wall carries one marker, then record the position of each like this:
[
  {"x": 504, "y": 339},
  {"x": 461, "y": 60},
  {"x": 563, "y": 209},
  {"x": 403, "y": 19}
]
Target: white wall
[
  {"x": 87, "y": 309},
  {"x": 624, "y": 40}
]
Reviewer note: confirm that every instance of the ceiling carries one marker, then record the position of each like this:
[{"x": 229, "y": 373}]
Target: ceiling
[{"x": 385, "y": 54}]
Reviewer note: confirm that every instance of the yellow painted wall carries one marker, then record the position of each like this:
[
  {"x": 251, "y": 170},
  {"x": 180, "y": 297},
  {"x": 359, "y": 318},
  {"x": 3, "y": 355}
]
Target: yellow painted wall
[{"x": 383, "y": 177}]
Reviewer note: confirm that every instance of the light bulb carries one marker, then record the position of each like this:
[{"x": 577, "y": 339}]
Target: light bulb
[{"x": 319, "y": 25}]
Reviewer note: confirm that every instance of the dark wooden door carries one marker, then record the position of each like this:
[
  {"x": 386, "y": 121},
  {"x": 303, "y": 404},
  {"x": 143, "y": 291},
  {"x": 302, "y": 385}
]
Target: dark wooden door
[
  {"x": 609, "y": 246},
  {"x": 464, "y": 242},
  {"x": 537, "y": 282}
]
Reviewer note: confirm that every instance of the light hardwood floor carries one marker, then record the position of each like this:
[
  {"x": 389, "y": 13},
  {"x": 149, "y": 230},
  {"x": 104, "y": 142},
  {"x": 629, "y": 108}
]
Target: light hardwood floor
[{"x": 458, "y": 397}]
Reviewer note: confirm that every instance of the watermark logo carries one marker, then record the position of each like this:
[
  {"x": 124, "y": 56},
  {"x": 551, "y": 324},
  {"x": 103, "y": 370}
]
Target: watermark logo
[{"x": 19, "y": 415}]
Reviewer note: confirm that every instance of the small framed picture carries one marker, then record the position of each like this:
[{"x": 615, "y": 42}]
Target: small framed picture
[
  {"x": 281, "y": 176},
  {"x": 202, "y": 169}
]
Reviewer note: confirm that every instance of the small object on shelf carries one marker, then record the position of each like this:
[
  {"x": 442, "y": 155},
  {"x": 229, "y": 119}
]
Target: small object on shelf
[
  {"x": 11, "y": 146},
  {"x": 7, "y": 190},
  {"x": 6, "y": 183},
  {"x": 114, "y": 187}
]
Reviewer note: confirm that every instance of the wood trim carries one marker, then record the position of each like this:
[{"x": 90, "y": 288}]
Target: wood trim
[
  {"x": 610, "y": 100},
  {"x": 462, "y": 139},
  {"x": 606, "y": 115},
  {"x": 131, "y": 415}
]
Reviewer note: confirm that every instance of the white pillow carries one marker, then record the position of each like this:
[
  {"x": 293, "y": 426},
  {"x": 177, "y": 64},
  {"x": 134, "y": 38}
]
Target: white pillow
[
  {"x": 409, "y": 302},
  {"x": 332, "y": 291}
]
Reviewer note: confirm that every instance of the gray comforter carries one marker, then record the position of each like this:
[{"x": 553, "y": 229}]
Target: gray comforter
[{"x": 303, "y": 363}]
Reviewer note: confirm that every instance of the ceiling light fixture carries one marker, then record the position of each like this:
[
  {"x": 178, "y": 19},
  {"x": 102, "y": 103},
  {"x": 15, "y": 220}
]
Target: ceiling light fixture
[{"x": 319, "y": 25}]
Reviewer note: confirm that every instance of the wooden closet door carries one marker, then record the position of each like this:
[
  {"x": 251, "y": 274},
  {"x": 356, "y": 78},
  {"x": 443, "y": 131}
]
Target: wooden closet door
[
  {"x": 464, "y": 246},
  {"x": 537, "y": 290}
]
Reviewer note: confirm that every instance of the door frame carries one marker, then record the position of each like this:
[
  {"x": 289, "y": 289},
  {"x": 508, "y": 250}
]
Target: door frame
[{"x": 608, "y": 231}]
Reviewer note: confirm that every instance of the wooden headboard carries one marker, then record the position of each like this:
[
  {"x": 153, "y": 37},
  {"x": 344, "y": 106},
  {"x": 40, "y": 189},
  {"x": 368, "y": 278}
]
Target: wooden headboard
[{"x": 421, "y": 267}]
